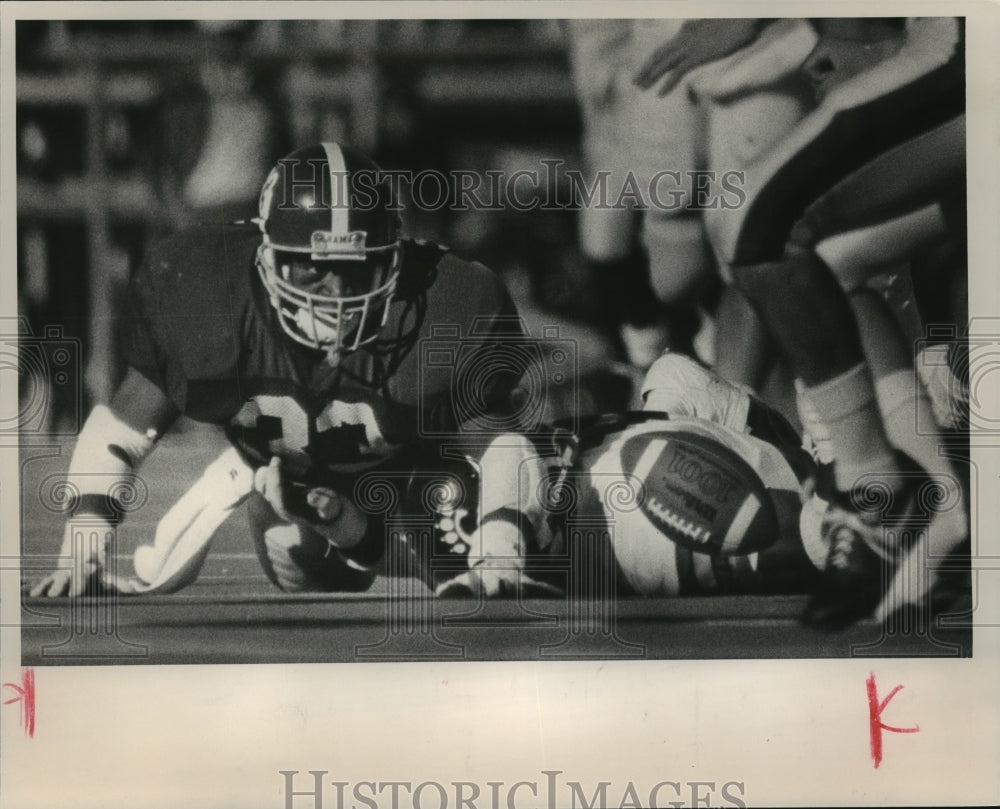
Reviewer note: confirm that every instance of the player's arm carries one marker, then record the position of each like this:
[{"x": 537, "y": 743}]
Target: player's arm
[
  {"x": 485, "y": 393},
  {"x": 488, "y": 397},
  {"x": 113, "y": 443}
]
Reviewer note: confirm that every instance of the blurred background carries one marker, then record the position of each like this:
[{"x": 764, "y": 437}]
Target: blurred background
[{"x": 129, "y": 130}]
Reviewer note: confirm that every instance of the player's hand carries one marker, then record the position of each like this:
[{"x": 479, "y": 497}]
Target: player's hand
[
  {"x": 81, "y": 567},
  {"x": 55, "y": 584},
  {"x": 80, "y": 580},
  {"x": 82, "y": 571},
  {"x": 61, "y": 583},
  {"x": 697, "y": 43},
  {"x": 496, "y": 578},
  {"x": 293, "y": 502}
]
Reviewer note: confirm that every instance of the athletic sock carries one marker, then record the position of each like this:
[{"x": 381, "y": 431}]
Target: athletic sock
[{"x": 847, "y": 406}]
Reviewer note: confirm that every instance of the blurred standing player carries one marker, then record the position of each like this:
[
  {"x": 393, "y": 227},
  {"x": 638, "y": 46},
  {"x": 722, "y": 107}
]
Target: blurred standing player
[
  {"x": 648, "y": 254},
  {"x": 297, "y": 334},
  {"x": 750, "y": 99}
]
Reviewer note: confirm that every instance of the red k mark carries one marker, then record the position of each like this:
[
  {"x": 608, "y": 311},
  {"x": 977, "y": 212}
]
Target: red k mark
[
  {"x": 875, "y": 709},
  {"x": 26, "y": 696}
]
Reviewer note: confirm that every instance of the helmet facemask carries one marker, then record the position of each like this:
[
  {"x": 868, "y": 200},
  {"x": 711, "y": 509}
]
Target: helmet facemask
[{"x": 351, "y": 317}]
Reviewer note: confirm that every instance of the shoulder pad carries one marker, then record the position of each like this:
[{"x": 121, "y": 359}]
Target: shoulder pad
[{"x": 418, "y": 269}]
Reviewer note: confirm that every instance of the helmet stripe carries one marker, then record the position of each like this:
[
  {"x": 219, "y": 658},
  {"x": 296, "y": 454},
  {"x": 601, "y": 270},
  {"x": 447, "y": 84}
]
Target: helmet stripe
[{"x": 340, "y": 194}]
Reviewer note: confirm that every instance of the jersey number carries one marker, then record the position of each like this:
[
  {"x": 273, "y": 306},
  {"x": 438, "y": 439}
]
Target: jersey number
[{"x": 342, "y": 436}]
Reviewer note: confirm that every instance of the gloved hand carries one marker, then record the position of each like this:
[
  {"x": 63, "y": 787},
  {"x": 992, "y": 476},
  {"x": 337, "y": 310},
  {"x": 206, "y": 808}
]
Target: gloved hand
[
  {"x": 498, "y": 572},
  {"x": 294, "y": 502},
  {"x": 496, "y": 578},
  {"x": 319, "y": 508}
]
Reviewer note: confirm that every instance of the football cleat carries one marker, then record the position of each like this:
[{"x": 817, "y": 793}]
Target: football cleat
[
  {"x": 925, "y": 587},
  {"x": 865, "y": 546},
  {"x": 853, "y": 577}
]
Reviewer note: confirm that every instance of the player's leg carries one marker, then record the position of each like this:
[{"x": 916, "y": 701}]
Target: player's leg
[
  {"x": 750, "y": 102},
  {"x": 900, "y": 181},
  {"x": 621, "y": 269},
  {"x": 941, "y": 292},
  {"x": 907, "y": 414},
  {"x": 919, "y": 580},
  {"x": 904, "y": 203},
  {"x": 869, "y": 221},
  {"x": 884, "y": 413},
  {"x": 297, "y": 559},
  {"x": 743, "y": 349},
  {"x": 811, "y": 321},
  {"x": 681, "y": 271},
  {"x": 800, "y": 299},
  {"x": 668, "y": 138},
  {"x": 914, "y": 90},
  {"x": 599, "y": 54}
]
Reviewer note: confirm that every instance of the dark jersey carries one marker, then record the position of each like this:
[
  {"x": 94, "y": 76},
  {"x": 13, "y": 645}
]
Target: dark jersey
[{"x": 201, "y": 328}]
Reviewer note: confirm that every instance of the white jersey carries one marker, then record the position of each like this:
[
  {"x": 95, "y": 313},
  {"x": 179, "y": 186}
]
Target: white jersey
[{"x": 595, "y": 509}]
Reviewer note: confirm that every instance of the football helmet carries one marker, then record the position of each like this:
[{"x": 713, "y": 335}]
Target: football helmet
[{"x": 330, "y": 254}]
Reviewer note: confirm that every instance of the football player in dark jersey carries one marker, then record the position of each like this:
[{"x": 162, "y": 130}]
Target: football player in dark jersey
[{"x": 299, "y": 333}]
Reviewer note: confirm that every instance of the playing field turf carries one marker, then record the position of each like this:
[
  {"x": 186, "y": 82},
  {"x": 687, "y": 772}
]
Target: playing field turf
[{"x": 232, "y": 614}]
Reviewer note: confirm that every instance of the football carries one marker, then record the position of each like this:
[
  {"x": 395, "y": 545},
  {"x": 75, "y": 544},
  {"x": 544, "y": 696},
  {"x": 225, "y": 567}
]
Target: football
[{"x": 700, "y": 493}]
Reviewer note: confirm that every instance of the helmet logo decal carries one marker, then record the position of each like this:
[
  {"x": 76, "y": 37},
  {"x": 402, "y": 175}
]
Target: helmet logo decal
[{"x": 325, "y": 241}]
